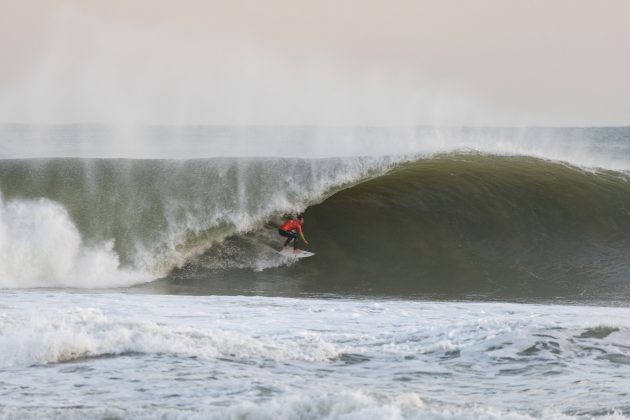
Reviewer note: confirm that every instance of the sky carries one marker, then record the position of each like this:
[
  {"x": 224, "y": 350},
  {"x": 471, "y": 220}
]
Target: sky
[{"x": 294, "y": 62}]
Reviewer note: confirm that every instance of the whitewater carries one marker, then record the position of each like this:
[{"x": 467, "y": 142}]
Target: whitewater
[
  {"x": 121, "y": 355},
  {"x": 460, "y": 273}
]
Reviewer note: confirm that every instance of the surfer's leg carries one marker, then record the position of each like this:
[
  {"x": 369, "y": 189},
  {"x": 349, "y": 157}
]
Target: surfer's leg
[
  {"x": 295, "y": 238},
  {"x": 295, "y": 241},
  {"x": 291, "y": 236}
]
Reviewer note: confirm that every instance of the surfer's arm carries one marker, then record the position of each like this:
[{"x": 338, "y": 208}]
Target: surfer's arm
[{"x": 302, "y": 235}]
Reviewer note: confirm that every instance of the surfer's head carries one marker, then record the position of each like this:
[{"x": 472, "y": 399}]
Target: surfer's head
[{"x": 300, "y": 218}]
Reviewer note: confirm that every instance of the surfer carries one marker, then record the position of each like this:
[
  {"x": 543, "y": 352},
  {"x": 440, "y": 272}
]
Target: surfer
[{"x": 290, "y": 230}]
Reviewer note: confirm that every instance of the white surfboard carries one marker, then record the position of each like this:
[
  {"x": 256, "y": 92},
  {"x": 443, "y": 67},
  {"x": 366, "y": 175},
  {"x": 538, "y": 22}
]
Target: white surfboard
[{"x": 300, "y": 254}]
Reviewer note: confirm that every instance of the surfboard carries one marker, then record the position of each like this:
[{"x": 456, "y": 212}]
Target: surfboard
[{"x": 301, "y": 254}]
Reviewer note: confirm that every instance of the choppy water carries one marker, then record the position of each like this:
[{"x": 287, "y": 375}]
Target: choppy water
[{"x": 78, "y": 355}]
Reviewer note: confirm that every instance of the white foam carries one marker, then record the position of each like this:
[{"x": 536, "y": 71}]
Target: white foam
[
  {"x": 41, "y": 247},
  {"x": 345, "y": 405},
  {"x": 61, "y": 336},
  {"x": 269, "y": 358}
]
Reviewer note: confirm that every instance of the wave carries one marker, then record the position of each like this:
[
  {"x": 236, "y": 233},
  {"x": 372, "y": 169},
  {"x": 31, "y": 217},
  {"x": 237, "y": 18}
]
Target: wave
[
  {"x": 453, "y": 226},
  {"x": 115, "y": 222},
  {"x": 81, "y": 334},
  {"x": 492, "y": 222}
]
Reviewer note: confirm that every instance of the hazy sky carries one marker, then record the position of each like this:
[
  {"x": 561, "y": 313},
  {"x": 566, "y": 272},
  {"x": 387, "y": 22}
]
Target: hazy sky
[{"x": 466, "y": 62}]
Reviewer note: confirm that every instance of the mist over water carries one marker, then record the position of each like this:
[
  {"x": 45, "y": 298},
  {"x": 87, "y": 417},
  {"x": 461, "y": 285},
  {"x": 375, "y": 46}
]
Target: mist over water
[
  {"x": 91, "y": 71},
  {"x": 361, "y": 64},
  {"x": 605, "y": 148}
]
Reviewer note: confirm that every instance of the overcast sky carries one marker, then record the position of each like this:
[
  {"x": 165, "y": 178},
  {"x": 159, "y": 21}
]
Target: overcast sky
[{"x": 466, "y": 62}]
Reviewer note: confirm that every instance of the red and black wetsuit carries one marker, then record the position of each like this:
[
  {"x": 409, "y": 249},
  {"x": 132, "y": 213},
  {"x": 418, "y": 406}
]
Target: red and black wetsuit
[{"x": 288, "y": 230}]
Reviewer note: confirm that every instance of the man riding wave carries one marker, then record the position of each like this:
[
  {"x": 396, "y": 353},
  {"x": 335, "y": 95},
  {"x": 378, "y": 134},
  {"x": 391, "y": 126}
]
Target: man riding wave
[{"x": 292, "y": 230}]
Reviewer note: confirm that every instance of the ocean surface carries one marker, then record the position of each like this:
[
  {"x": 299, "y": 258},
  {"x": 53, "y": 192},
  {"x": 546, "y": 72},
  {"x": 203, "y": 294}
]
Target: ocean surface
[{"x": 459, "y": 273}]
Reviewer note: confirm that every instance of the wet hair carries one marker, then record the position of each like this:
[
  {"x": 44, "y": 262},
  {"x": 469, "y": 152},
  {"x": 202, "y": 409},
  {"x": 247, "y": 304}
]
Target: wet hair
[{"x": 300, "y": 216}]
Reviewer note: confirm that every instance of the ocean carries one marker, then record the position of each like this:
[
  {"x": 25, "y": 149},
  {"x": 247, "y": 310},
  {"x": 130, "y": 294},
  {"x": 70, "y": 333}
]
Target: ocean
[{"x": 460, "y": 273}]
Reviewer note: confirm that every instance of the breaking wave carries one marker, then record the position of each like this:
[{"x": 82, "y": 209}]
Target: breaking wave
[
  {"x": 115, "y": 222},
  {"x": 456, "y": 226},
  {"x": 428, "y": 218}
]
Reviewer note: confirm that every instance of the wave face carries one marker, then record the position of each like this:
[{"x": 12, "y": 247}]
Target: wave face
[
  {"x": 480, "y": 224},
  {"x": 462, "y": 226}
]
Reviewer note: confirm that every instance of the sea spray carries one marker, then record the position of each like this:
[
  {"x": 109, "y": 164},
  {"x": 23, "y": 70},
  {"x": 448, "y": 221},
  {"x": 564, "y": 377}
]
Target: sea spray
[
  {"x": 41, "y": 247},
  {"x": 596, "y": 147}
]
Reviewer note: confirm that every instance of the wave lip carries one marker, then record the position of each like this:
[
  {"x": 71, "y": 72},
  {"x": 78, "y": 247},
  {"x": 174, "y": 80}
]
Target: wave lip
[{"x": 594, "y": 147}]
